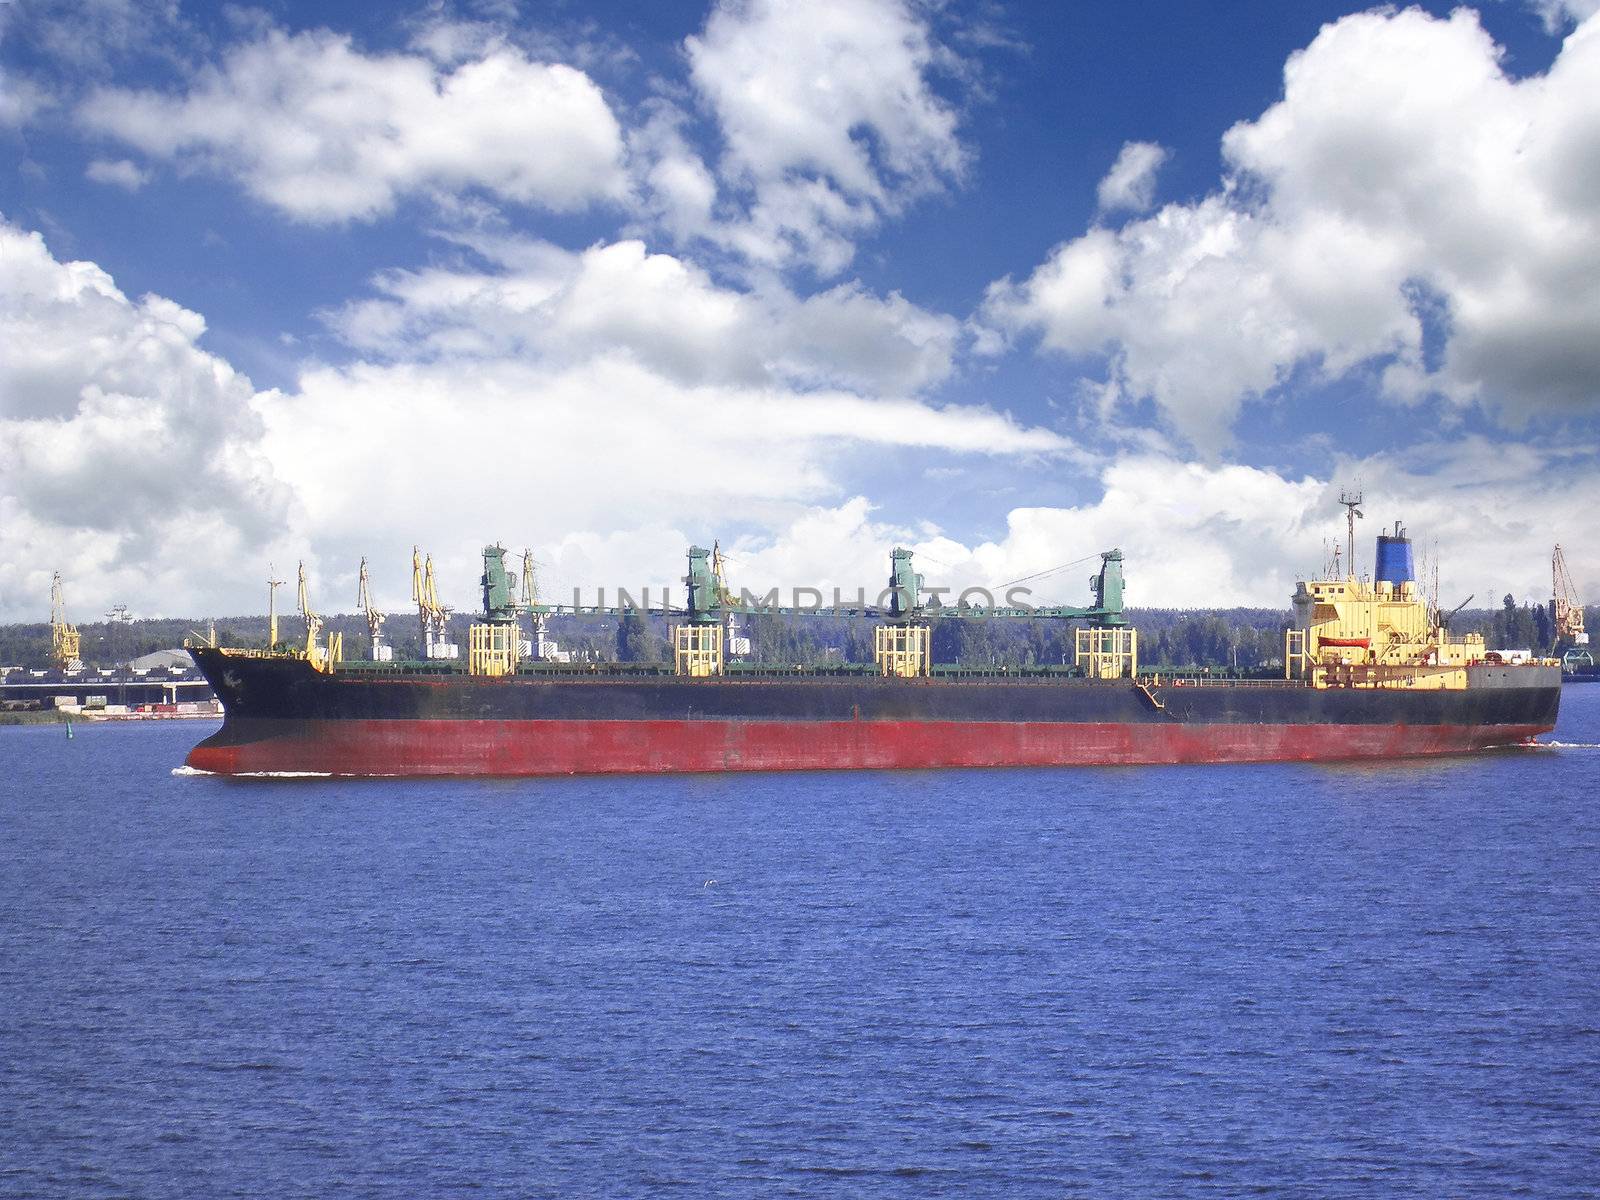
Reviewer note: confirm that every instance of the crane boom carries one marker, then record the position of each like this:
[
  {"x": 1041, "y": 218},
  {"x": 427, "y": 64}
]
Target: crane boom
[
  {"x": 530, "y": 587},
  {"x": 1566, "y": 610},
  {"x": 65, "y": 643},
  {"x": 310, "y": 616},
  {"x": 375, "y": 619},
  {"x": 433, "y": 617}
]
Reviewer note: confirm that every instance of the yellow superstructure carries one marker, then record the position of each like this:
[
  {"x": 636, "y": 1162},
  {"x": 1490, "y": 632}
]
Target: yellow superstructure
[{"x": 1352, "y": 633}]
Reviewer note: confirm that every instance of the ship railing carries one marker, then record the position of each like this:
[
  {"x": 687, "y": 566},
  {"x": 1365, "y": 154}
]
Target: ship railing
[
  {"x": 235, "y": 651},
  {"x": 1223, "y": 681}
]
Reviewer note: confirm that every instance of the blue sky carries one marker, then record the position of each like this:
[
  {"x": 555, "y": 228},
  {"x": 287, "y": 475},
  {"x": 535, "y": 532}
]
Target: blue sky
[{"x": 1006, "y": 282}]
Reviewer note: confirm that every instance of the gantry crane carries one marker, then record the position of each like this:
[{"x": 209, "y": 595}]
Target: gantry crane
[
  {"x": 375, "y": 619},
  {"x": 65, "y": 643},
  {"x": 1566, "y": 610}
]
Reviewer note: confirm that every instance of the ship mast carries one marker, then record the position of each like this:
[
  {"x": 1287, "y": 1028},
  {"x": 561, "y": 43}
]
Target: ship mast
[
  {"x": 417, "y": 596},
  {"x": 272, "y": 606},
  {"x": 1352, "y": 504}
]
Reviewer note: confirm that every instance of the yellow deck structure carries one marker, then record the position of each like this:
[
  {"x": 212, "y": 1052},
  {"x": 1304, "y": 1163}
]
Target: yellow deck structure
[
  {"x": 1352, "y": 633},
  {"x": 1107, "y": 653},
  {"x": 494, "y": 649},
  {"x": 901, "y": 650},
  {"x": 697, "y": 650}
]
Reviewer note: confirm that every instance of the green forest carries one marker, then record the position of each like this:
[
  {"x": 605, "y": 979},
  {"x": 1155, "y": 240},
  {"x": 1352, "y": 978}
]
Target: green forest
[{"x": 1243, "y": 639}]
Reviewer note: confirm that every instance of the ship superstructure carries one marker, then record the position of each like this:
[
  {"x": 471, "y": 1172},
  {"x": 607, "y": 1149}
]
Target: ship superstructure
[{"x": 1376, "y": 633}]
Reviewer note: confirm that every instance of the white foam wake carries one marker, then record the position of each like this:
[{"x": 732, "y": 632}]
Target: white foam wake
[
  {"x": 188, "y": 770},
  {"x": 283, "y": 774},
  {"x": 1570, "y": 745}
]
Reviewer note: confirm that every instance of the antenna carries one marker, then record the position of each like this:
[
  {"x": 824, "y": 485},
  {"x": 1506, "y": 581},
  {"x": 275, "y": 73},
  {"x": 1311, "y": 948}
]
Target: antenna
[
  {"x": 1433, "y": 581},
  {"x": 1352, "y": 502},
  {"x": 118, "y": 616}
]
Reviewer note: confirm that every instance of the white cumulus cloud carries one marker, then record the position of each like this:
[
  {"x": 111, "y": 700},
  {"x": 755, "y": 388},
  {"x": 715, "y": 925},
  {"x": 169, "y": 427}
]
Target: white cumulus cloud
[
  {"x": 659, "y": 310},
  {"x": 505, "y": 448},
  {"x": 1130, "y": 185},
  {"x": 118, "y": 172},
  {"x": 553, "y": 397},
  {"x": 1207, "y": 536},
  {"x": 20, "y": 100},
  {"x": 128, "y": 455},
  {"x": 313, "y": 126},
  {"x": 828, "y": 120},
  {"x": 1402, "y": 174},
  {"x": 1557, "y": 14}
]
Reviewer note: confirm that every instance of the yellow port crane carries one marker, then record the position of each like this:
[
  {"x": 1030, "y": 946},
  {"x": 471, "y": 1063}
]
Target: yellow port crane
[
  {"x": 320, "y": 657},
  {"x": 375, "y": 619},
  {"x": 434, "y": 616},
  {"x": 1566, "y": 610},
  {"x": 65, "y": 644}
]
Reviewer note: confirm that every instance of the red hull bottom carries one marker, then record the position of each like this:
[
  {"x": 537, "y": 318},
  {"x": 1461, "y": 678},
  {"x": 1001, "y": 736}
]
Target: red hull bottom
[{"x": 350, "y": 747}]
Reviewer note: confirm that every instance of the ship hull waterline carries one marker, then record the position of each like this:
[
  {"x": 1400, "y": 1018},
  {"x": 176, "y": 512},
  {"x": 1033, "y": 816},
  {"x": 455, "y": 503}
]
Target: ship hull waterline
[{"x": 584, "y": 747}]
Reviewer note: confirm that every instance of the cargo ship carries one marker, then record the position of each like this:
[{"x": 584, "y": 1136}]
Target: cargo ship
[{"x": 1370, "y": 671}]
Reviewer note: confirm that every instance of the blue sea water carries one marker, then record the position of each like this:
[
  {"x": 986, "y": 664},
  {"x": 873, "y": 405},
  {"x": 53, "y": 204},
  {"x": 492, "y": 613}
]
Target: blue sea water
[{"x": 1329, "y": 981}]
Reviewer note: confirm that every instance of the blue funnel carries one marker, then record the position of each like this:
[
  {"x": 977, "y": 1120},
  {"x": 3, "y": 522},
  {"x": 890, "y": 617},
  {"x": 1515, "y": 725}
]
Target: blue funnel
[{"x": 1395, "y": 564}]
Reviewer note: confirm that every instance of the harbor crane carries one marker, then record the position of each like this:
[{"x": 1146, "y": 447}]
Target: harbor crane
[
  {"x": 318, "y": 656},
  {"x": 528, "y": 602},
  {"x": 434, "y": 617},
  {"x": 375, "y": 619},
  {"x": 539, "y": 647},
  {"x": 1566, "y": 610},
  {"x": 65, "y": 644},
  {"x": 529, "y": 597}
]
